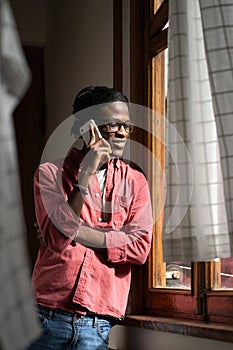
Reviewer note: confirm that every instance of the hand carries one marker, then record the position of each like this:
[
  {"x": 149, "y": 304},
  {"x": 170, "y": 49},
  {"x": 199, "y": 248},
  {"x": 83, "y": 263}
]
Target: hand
[{"x": 98, "y": 153}]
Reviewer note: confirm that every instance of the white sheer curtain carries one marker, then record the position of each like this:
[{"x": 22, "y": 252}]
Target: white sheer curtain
[
  {"x": 18, "y": 322},
  {"x": 199, "y": 203}
]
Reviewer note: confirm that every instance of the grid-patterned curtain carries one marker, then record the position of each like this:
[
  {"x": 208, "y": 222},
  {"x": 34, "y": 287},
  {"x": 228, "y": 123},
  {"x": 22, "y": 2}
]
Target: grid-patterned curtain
[
  {"x": 18, "y": 322},
  {"x": 198, "y": 221}
]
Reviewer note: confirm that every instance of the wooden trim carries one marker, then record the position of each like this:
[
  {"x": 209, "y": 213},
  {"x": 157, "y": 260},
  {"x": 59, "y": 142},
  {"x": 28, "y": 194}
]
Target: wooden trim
[
  {"x": 186, "y": 327},
  {"x": 159, "y": 20},
  {"x": 198, "y": 287},
  {"x": 156, "y": 101},
  {"x": 220, "y": 293},
  {"x": 137, "y": 31},
  {"x": 117, "y": 44},
  {"x": 138, "y": 95},
  {"x": 171, "y": 303},
  {"x": 158, "y": 43},
  {"x": 145, "y": 298},
  {"x": 220, "y": 307},
  {"x": 157, "y": 147},
  {"x": 214, "y": 277}
]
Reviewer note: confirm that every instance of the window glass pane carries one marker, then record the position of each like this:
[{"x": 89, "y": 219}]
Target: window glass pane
[
  {"x": 227, "y": 273},
  {"x": 178, "y": 275},
  {"x": 223, "y": 274},
  {"x": 170, "y": 274}
]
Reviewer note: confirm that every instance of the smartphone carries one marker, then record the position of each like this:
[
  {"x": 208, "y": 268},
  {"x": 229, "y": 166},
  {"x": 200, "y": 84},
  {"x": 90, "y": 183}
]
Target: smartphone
[{"x": 85, "y": 131}]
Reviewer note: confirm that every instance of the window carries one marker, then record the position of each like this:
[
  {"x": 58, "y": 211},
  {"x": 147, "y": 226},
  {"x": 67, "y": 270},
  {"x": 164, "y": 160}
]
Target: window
[{"x": 201, "y": 290}]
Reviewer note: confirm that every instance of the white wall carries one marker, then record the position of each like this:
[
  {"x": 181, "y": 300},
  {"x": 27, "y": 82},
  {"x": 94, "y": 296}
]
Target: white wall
[
  {"x": 79, "y": 52},
  {"x": 31, "y": 20},
  {"x": 78, "y": 40}
]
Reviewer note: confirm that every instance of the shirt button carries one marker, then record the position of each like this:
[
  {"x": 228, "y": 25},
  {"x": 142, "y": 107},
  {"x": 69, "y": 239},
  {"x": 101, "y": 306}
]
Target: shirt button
[
  {"x": 97, "y": 195},
  {"x": 99, "y": 219}
]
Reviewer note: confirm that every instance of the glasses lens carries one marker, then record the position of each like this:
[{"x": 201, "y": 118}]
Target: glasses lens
[
  {"x": 128, "y": 127},
  {"x": 114, "y": 127}
]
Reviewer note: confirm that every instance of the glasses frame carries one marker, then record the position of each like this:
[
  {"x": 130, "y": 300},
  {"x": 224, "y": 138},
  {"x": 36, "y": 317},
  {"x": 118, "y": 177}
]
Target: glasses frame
[{"x": 108, "y": 126}]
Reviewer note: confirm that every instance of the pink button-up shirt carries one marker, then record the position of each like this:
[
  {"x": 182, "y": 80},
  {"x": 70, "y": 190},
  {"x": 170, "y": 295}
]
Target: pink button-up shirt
[{"x": 73, "y": 277}]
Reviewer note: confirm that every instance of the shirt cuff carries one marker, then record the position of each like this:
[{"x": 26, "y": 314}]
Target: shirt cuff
[{"x": 116, "y": 247}]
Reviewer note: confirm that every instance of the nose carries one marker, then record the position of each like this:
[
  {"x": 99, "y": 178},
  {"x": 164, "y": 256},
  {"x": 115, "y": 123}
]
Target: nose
[{"x": 122, "y": 132}]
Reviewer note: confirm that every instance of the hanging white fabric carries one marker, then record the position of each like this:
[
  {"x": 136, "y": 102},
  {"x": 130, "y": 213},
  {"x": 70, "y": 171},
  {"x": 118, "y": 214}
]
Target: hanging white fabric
[
  {"x": 217, "y": 19},
  {"x": 198, "y": 212},
  {"x": 18, "y": 323}
]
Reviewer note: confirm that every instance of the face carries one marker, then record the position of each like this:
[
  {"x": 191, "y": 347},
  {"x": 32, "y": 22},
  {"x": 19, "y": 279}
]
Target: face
[{"x": 114, "y": 113}]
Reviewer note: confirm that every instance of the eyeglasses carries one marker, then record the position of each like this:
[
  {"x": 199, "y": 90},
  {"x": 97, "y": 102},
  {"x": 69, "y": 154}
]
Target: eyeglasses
[{"x": 114, "y": 127}]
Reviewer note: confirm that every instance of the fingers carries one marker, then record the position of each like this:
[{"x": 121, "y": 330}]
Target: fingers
[
  {"x": 93, "y": 135},
  {"x": 97, "y": 134},
  {"x": 104, "y": 156},
  {"x": 103, "y": 146},
  {"x": 98, "y": 154},
  {"x": 99, "y": 151},
  {"x": 99, "y": 144},
  {"x": 102, "y": 150}
]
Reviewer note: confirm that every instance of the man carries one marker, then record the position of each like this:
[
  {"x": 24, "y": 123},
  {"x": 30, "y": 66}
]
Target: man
[{"x": 94, "y": 214}]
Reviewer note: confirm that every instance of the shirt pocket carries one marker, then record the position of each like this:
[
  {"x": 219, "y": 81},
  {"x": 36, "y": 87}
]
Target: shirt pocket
[{"x": 120, "y": 209}]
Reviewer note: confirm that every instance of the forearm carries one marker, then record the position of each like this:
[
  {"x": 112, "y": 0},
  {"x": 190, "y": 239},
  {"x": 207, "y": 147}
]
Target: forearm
[
  {"x": 91, "y": 237},
  {"x": 120, "y": 247},
  {"x": 130, "y": 248},
  {"x": 77, "y": 196}
]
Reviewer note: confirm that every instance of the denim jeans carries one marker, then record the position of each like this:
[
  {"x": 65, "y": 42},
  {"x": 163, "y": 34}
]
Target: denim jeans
[{"x": 64, "y": 331}]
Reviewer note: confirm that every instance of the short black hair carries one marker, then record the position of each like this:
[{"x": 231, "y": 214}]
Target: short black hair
[
  {"x": 94, "y": 95},
  {"x": 91, "y": 96}
]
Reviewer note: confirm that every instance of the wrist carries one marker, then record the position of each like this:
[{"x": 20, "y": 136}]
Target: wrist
[
  {"x": 83, "y": 190},
  {"x": 84, "y": 177},
  {"x": 85, "y": 172}
]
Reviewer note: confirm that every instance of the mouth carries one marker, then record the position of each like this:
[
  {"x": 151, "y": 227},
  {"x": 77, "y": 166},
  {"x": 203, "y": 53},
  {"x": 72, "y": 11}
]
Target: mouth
[
  {"x": 117, "y": 143},
  {"x": 117, "y": 146}
]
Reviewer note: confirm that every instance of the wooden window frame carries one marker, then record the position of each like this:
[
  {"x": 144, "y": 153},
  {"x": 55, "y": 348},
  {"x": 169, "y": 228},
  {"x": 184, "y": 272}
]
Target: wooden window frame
[{"x": 201, "y": 303}]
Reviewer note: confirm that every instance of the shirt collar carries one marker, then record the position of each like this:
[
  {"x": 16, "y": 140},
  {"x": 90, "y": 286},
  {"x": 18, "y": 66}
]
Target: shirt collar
[{"x": 116, "y": 162}]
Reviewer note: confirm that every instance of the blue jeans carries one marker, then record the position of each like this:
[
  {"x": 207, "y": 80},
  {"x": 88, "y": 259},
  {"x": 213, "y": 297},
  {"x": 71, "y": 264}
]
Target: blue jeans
[{"x": 65, "y": 331}]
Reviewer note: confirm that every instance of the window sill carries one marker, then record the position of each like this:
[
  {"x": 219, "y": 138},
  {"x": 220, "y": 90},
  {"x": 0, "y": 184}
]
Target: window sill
[{"x": 199, "y": 329}]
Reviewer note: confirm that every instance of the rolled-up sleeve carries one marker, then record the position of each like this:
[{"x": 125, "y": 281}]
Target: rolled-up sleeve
[
  {"x": 57, "y": 222},
  {"x": 132, "y": 243}
]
